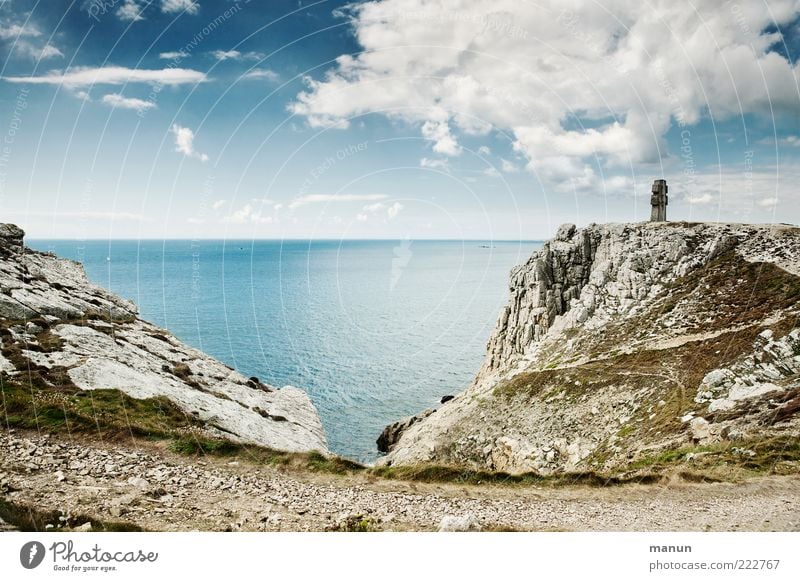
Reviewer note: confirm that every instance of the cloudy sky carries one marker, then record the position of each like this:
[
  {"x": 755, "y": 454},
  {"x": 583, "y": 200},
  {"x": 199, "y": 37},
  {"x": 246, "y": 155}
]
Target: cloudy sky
[{"x": 393, "y": 118}]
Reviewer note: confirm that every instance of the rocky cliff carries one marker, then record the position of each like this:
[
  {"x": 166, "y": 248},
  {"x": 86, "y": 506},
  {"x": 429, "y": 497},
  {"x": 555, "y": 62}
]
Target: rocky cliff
[
  {"x": 65, "y": 340},
  {"x": 629, "y": 345}
]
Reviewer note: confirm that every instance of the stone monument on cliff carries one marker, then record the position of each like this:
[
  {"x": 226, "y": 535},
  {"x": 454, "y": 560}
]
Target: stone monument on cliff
[{"x": 658, "y": 201}]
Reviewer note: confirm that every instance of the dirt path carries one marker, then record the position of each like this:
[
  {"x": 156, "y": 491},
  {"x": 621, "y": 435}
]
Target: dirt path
[{"x": 158, "y": 490}]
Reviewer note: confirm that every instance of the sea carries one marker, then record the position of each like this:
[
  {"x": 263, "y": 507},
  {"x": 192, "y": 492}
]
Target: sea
[{"x": 373, "y": 330}]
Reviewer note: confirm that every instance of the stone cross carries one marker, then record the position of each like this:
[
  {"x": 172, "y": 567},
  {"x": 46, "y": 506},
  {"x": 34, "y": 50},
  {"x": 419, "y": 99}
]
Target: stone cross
[{"x": 658, "y": 201}]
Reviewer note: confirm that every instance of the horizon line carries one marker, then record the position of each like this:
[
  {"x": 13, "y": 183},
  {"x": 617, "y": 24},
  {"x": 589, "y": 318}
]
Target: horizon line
[{"x": 124, "y": 239}]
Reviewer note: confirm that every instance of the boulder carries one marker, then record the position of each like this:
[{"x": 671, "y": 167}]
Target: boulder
[{"x": 459, "y": 524}]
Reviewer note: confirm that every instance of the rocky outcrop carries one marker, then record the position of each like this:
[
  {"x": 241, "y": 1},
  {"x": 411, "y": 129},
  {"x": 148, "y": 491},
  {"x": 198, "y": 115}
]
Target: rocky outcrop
[
  {"x": 541, "y": 290},
  {"x": 391, "y": 433},
  {"x": 11, "y": 238},
  {"x": 54, "y": 322},
  {"x": 616, "y": 337}
]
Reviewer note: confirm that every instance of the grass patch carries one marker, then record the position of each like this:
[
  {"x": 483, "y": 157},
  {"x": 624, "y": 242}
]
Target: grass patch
[
  {"x": 221, "y": 448},
  {"x": 356, "y": 524},
  {"x": 434, "y": 473},
  {"x": 31, "y": 519},
  {"x": 109, "y": 413},
  {"x": 728, "y": 460}
]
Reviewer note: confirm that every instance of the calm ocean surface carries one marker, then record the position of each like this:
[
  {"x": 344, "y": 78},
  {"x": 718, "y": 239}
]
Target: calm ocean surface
[{"x": 372, "y": 330}]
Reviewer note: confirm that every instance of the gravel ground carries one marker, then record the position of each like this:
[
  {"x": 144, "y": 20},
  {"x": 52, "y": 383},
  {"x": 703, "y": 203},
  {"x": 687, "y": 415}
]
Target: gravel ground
[{"x": 158, "y": 490}]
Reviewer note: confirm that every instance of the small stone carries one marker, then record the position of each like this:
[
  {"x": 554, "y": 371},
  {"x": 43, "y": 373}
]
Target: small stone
[
  {"x": 459, "y": 524},
  {"x": 60, "y": 477},
  {"x": 138, "y": 482},
  {"x": 85, "y": 527},
  {"x": 700, "y": 429}
]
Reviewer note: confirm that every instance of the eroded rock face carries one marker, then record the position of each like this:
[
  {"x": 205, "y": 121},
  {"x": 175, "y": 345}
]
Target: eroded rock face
[
  {"x": 11, "y": 237},
  {"x": 391, "y": 434},
  {"x": 606, "y": 329},
  {"x": 99, "y": 342}
]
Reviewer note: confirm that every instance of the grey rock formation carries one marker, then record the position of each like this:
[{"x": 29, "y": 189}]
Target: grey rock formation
[
  {"x": 99, "y": 342},
  {"x": 612, "y": 334},
  {"x": 11, "y": 237},
  {"x": 391, "y": 433}
]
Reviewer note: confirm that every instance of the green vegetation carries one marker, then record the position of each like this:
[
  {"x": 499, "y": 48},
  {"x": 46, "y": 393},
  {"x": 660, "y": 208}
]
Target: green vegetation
[
  {"x": 458, "y": 475},
  {"x": 110, "y": 414},
  {"x": 729, "y": 461},
  {"x": 355, "y": 524},
  {"x": 31, "y": 519},
  {"x": 114, "y": 416},
  {"x": 311, "y": 461}
]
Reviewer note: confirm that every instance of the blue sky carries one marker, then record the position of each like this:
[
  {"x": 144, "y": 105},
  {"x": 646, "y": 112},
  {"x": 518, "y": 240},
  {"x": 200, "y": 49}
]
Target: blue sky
[{"x": 392, "y": 119}]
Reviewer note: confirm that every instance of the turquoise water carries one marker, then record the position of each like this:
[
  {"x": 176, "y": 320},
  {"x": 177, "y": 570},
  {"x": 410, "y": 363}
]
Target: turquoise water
[{"x": 372, "y": 330}]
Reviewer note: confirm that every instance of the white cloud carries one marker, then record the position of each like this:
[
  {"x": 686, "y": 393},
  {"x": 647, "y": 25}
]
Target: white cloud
[
  {"x": 118, "y": 101},
  {"x": 628, "y": 70},
  {"x": 264, "y": 201},
  {"x": 247, "y": 215},
  {"x": 21, "y": 34},
  {"x": 261, "y": 74},
  {"x": 84, "y": 76},
  {"x": 379, "y": 208},
  {"x": 483, "y": 150},
  {"x": 394, "y": 210},
  {"x": 173, "y": 6},
  {"x": 737, "y": 193},
  {"x": 218, "y": 204},
  {"x": 491, "y": 172},
  {"x": 9, "y": 31},
  {"x": 330, "y": 198},
  {"x": 434, "y": 163},
  {"x": 49, "y": 51},
  {"x": 235, "y": 55},
  {"x": 184, "y": 142},
  {"x": 130, "y": 11},
  {"x": 439, "y": 132},
  {"x": 173, "y": 54},
  {"x": 508, "y": 166},
  {"x": 700, "y": 199},
  {"x": 222, "y": 55},
  {"x": 792, "y": 140},
  {"x": 36, "y": 52}
]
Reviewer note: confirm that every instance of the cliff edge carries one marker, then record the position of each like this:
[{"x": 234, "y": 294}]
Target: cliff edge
[
  {"x": 628, "y": 345},
  {"x": 70, "y": 350}
]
